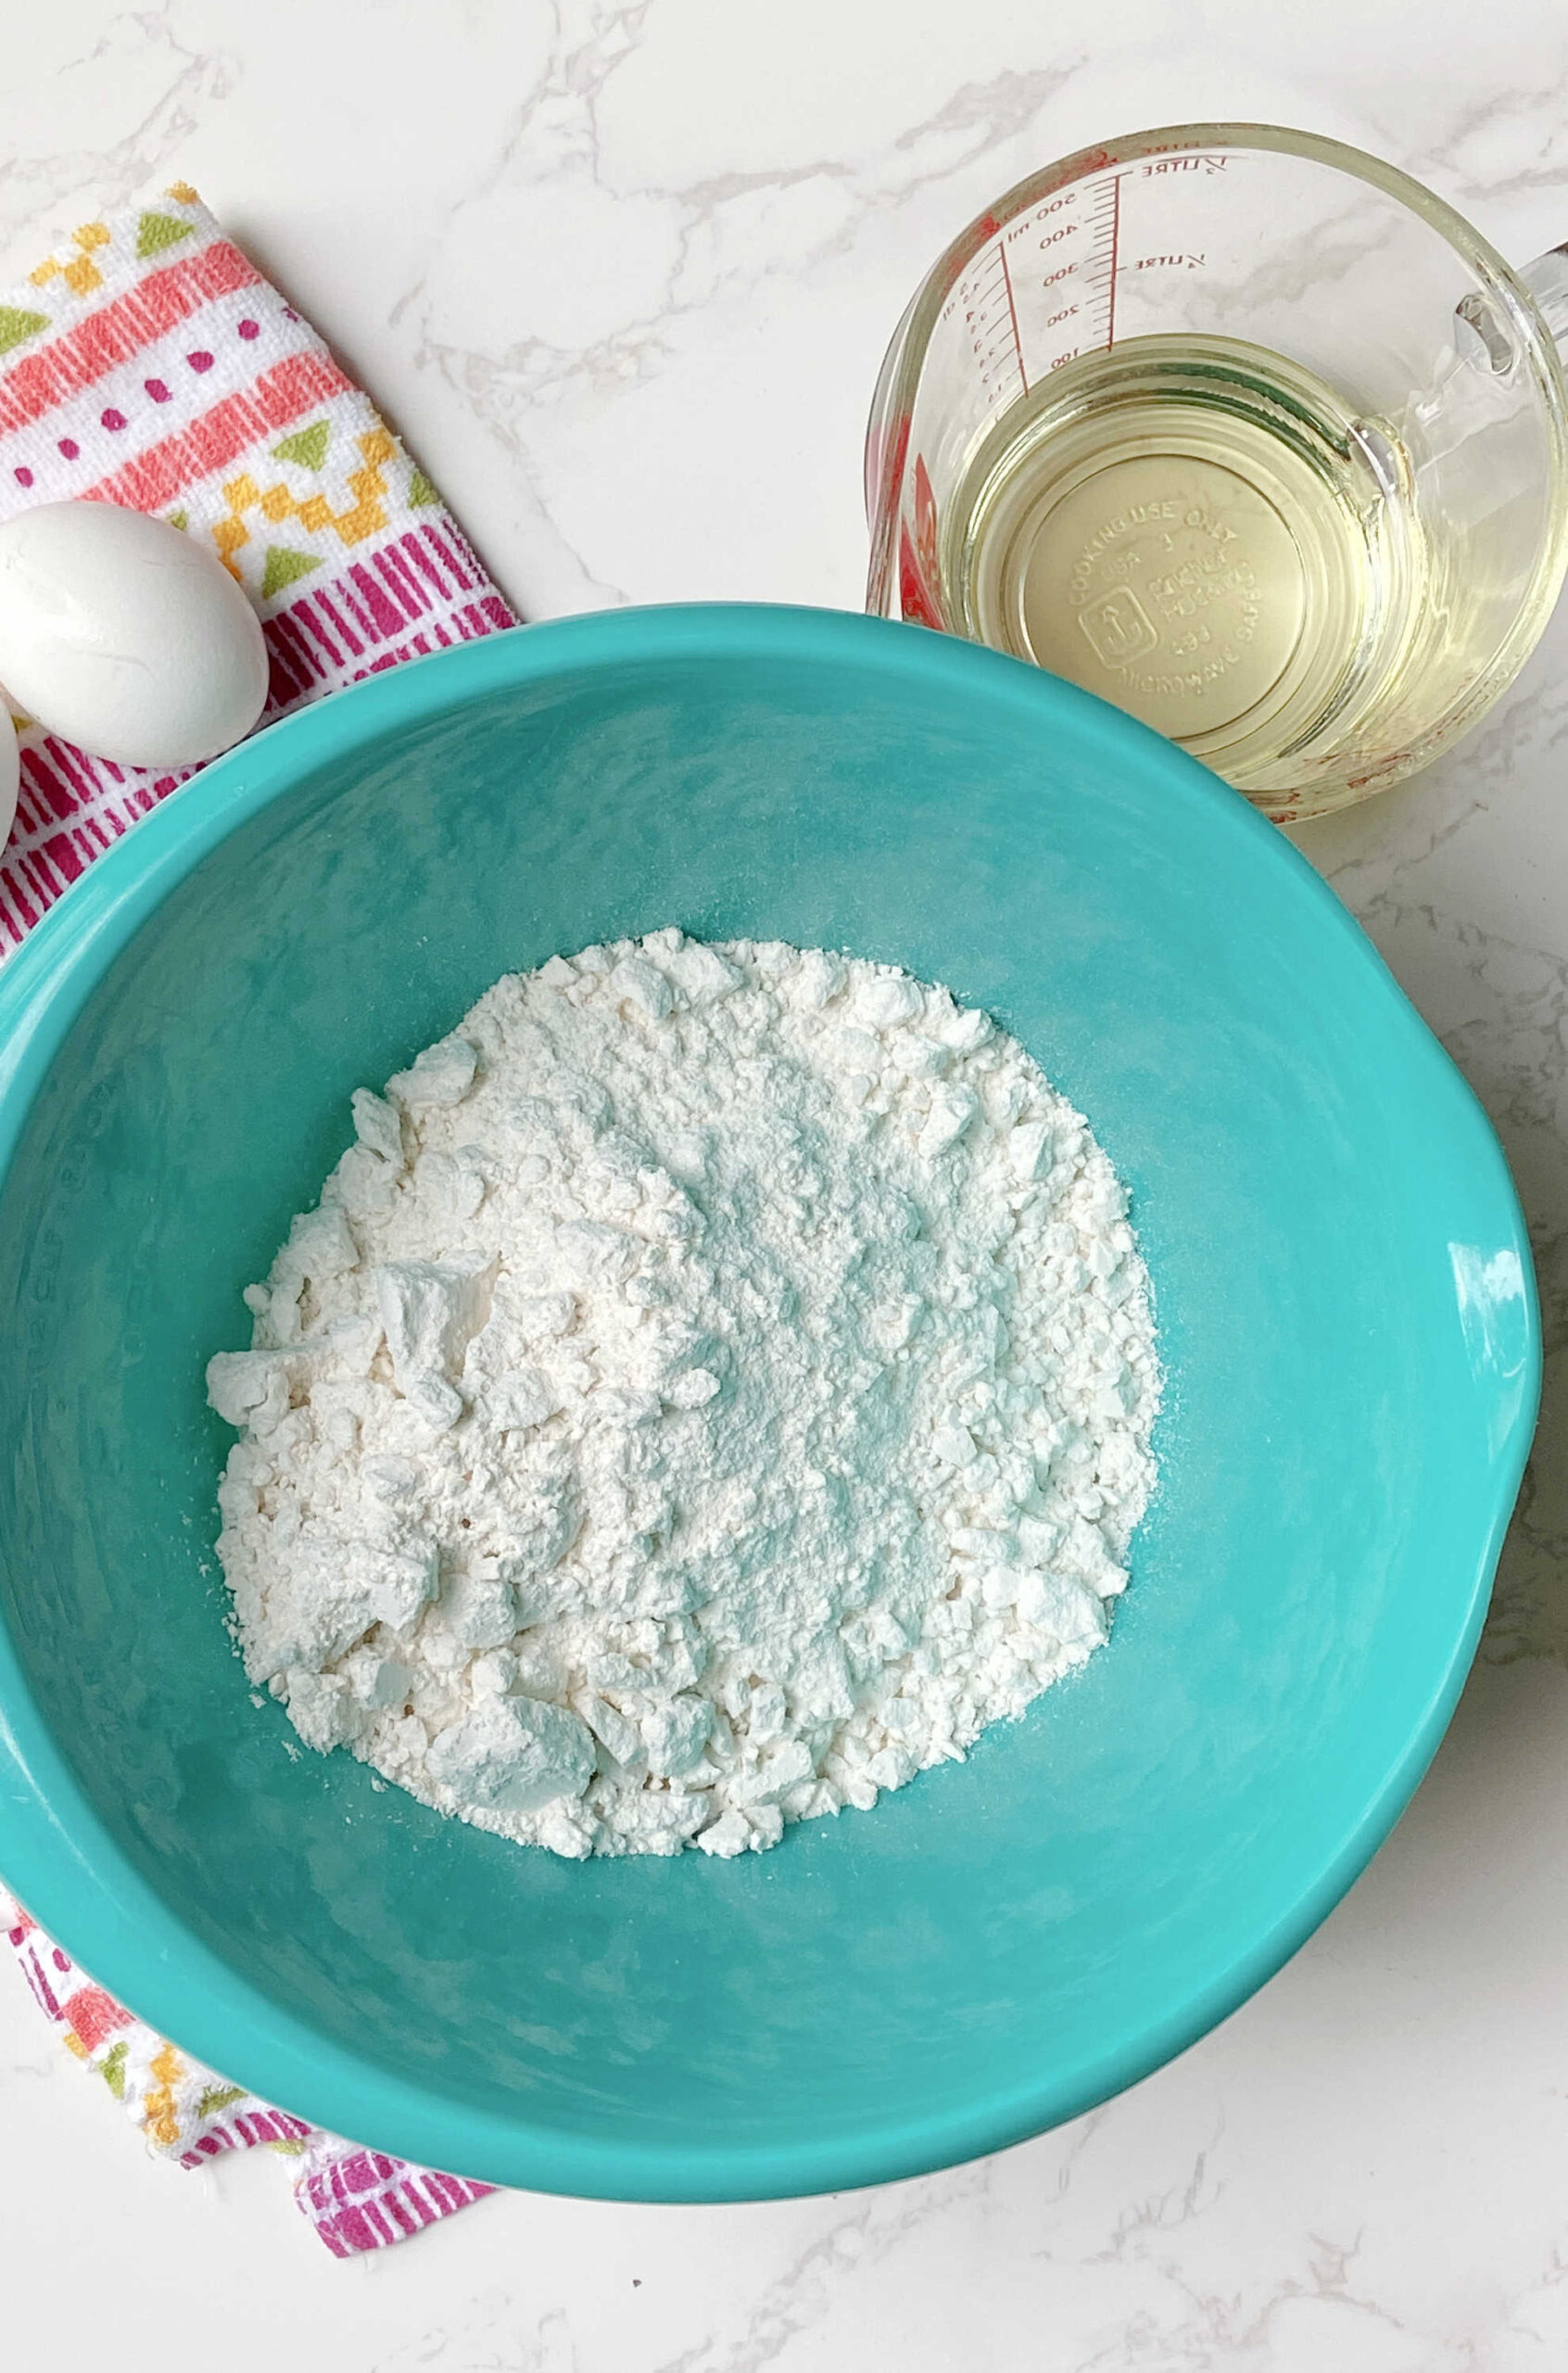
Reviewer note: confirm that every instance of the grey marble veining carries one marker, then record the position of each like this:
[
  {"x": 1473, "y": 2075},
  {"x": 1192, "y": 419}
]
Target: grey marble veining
[{"x": 623, "y": 273}]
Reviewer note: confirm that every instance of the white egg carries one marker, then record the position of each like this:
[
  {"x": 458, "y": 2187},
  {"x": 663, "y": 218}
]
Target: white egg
[
  {"x": 10, "y": 774},
  {"x": 126, "y": 636}
]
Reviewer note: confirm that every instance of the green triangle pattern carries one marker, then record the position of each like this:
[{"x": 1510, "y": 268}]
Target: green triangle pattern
[
  {"x": 281, "y": 566},
  {"x": 421, "y": 489},
  {"x": 179, "y": 518},
  {"x": 18, "y": 326},
  {"x": 307, "y": 446},
  {"x": 219, "y": 2096},
  {"x": 156, "y": 231}
]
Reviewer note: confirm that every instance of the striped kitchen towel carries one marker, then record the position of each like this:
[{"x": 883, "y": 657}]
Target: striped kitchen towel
[
  {"x": 147, "y": 362},
  {"x": 355, "y": 2200}
]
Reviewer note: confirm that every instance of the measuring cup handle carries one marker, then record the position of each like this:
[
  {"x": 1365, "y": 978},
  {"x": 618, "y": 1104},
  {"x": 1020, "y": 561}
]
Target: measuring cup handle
[{"x": 1547, "y": 280}]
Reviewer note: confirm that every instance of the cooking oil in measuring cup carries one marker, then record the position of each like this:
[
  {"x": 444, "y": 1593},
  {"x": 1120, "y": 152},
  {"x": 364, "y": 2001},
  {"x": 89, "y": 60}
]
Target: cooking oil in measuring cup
[
  {"x": 1199, "y": 531},
  {"x": 1244, "y": 431}
]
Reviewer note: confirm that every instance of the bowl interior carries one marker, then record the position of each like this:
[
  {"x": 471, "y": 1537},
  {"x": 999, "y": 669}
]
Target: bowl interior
[{"x": 1346, "y": 1317}]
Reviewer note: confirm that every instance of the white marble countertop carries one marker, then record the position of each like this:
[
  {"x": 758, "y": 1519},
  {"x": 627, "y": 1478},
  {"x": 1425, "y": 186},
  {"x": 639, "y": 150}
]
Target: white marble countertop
[{"x": 623, "y": 270}]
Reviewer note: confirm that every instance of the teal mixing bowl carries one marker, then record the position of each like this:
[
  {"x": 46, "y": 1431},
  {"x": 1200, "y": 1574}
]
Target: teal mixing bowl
[{"x": 1346, "y": 1316}]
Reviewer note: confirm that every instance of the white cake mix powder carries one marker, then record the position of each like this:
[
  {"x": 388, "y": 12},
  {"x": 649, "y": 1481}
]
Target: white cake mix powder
[{"x": 717, "y": 1384}]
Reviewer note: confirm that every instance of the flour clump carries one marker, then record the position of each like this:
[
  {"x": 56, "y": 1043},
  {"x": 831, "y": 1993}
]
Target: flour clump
[{"x": 713, "y": 1385}]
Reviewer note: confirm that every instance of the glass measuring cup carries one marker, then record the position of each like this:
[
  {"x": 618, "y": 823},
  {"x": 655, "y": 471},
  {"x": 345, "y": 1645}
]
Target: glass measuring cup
[{"x": 1244, "y": 431}]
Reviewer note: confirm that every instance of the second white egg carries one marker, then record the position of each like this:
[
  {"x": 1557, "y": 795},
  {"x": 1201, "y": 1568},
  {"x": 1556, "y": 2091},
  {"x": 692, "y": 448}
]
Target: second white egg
[{"x": 124, "y": 635}]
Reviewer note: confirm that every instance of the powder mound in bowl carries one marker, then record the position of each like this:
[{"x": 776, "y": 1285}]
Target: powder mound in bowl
[{"x": 716, "y": 1384}]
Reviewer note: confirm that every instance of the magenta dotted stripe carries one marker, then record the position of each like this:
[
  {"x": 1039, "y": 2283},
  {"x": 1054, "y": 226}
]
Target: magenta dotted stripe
[{"x": 157, "y": 391}]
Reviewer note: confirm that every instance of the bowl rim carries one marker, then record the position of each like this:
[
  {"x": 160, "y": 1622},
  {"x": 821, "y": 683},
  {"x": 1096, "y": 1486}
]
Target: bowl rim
[{"x": 56, "y": 1854}]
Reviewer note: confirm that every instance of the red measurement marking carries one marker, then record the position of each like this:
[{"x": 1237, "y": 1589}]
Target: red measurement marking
[
  {"x": 1013, "y": 310},
  {"x": 1116, "y": 236}
]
